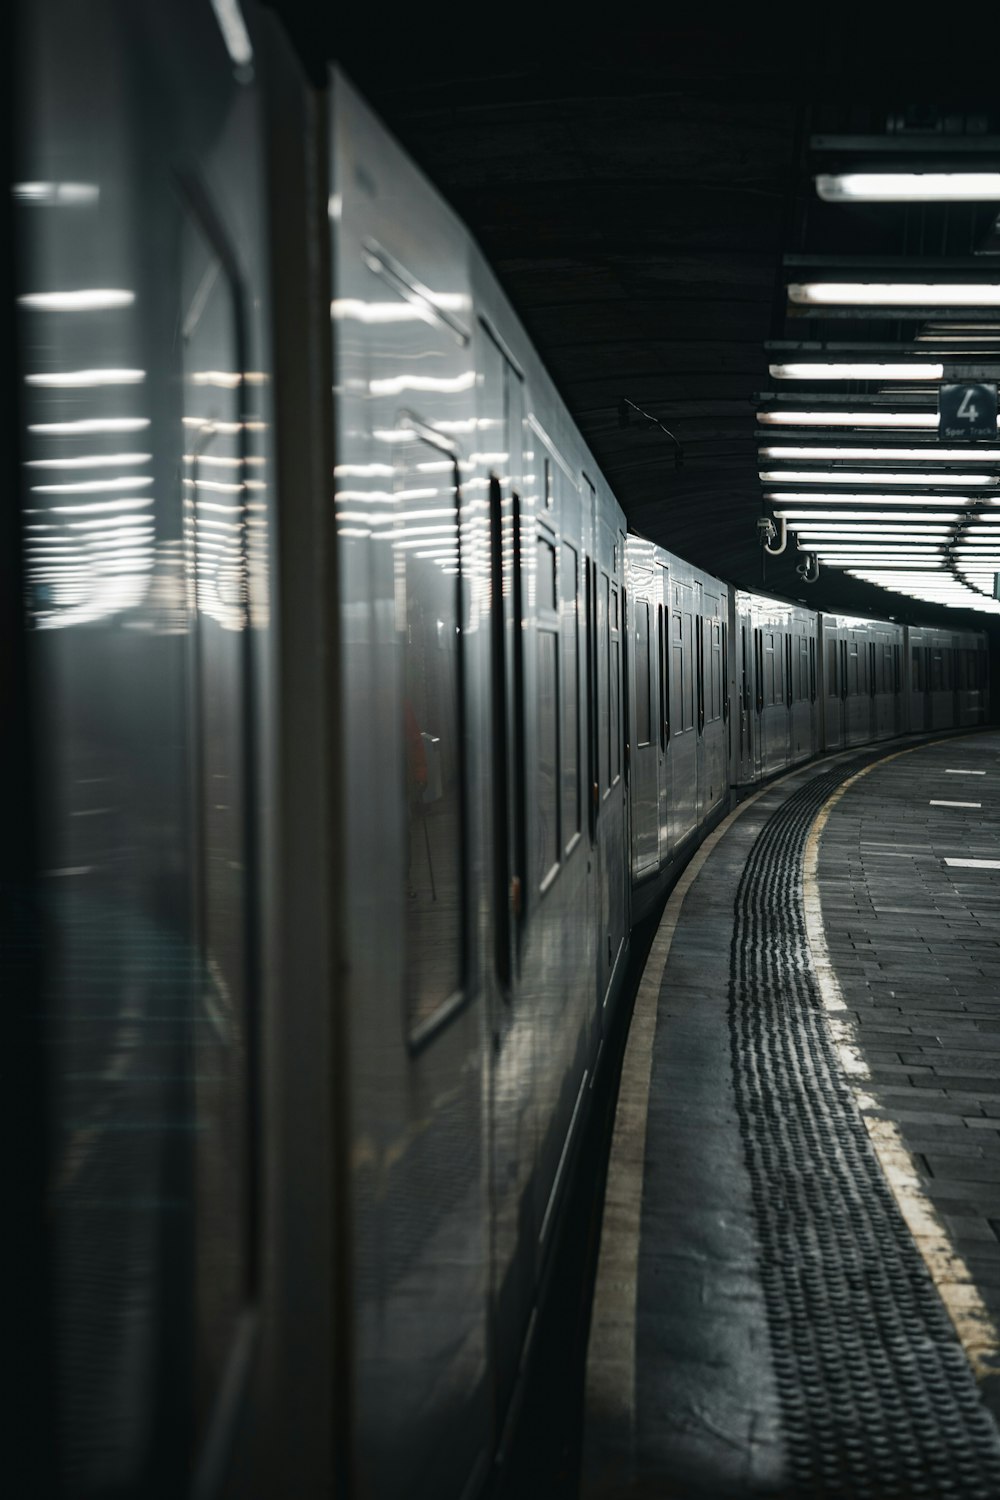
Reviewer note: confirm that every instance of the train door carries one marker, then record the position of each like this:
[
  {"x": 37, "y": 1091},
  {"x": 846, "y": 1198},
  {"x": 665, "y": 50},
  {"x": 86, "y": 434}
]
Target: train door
[
  {"x": 915, "y": 696},
  {"x": 645, "y": 721},
  {"x": 712, "y": 712},
  {"x": 757, "y": 731},
  {"x": 699, "y": 622},
  {"x": 662, "y": 595},
  {"x": 741, "y": 636},
  {"x": 833, "y": 686},
  {"x": 609, "y": 789},
  {"x": 683, "y": 734}
]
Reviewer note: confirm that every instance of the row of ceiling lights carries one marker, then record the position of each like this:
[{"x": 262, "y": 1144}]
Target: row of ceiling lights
[{"x": 955, "y": 535}]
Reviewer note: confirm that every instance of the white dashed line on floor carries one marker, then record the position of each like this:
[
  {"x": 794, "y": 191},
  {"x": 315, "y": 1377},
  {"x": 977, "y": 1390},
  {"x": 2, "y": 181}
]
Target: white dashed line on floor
[
  {"x": 936, "y": 803},
  {"x": 975, "y": 864}
]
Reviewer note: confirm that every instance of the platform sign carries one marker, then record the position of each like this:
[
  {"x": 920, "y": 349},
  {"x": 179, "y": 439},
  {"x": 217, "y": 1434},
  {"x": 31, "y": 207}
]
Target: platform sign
[{"x": 967, "y": 413}]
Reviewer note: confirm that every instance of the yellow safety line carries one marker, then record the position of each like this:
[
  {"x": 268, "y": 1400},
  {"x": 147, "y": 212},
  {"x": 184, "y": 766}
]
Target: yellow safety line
[{"x": 973, "y": 1324}]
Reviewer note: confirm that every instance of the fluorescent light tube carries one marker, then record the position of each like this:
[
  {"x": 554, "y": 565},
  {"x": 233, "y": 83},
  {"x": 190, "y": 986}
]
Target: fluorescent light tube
[
  {"x": 793, "y": 497},
  {"x": 890, "y": 455},
  {"x": 909, "y": 187},
  {"x": 869, "y": 370},
  {"x": 894, "y": 293},
  {"x": 942, "y": 518},
  {"x": 871, "y": 534},
  {"x": 849, "y": 476},
  {"x": 928, "y": 419}
]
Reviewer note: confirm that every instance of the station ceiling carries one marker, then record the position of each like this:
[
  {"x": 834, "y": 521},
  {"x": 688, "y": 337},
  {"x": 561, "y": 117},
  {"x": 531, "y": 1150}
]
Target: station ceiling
[{"x": 637, "y": 188}]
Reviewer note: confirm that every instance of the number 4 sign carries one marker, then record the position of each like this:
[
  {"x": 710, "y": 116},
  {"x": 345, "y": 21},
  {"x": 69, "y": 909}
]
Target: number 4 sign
[{"x": 967, "y": 413}]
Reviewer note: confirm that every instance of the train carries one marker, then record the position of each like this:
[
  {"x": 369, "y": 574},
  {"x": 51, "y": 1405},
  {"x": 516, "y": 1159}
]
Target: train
[{"x": 361, "y": 732}]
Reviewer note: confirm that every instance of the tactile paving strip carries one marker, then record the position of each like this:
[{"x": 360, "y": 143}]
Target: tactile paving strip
[{"x": 878, "y": 1399}]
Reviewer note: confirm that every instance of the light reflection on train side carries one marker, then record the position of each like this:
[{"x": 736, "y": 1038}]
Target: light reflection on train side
[{"x": 85, "y": 379}]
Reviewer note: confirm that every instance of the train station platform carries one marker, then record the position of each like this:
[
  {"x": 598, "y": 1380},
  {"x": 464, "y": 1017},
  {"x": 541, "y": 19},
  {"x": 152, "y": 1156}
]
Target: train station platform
[{"x": 798, "y": 1288}]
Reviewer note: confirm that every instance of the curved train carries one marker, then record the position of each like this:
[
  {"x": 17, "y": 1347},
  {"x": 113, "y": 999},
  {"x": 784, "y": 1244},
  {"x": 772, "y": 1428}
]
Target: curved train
[{"x": 347, "y": 793}]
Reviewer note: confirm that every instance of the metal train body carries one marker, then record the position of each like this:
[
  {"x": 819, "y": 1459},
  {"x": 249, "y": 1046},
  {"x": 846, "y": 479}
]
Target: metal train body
[{"x": 348, "y": 795}]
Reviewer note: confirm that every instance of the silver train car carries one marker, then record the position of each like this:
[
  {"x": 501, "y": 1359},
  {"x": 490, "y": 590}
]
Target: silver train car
[{"x": 363, "y": 733}]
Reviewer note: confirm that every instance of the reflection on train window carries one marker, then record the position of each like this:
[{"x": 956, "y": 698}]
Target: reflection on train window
[
  {"x": 677, "y": 673},
  {"x": 615, "y": 725},
  {"x": 547, "y": 785},
  {"x": 569, "y": 576},
  {"x": 853, "y": 669},
  {"x": 803, "y": 691},
  {"x": 832, "y": 676},
  {"x": 428, "y": 625},
  {"x": 643, "y": 708}
]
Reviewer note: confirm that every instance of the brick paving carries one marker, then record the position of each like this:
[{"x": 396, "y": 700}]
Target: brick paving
[{"x": 916, "y": 947}]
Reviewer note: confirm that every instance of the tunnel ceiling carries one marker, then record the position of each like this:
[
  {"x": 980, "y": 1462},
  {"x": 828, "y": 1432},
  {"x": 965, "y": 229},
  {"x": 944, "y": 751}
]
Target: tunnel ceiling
[{"x": 636, "y": 188}]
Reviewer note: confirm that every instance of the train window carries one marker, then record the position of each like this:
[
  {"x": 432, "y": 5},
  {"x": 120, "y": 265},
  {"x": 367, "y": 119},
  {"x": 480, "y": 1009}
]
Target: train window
[
  {"x": 853, "y": 668},
  {"x": 832, "y": 683},
  {"x": 896, "y": 679},
  {"x": 687, "y": 702},
  {"x": 643, "y": 707},
  {"x": 937, "y": 671},
  {"x": 569, "y": 576},
  {"x": 547, "y": 777},
  {"x": 916, "y": 662},
  {"x": 429, "y": 605},
  {"x": 545, "y": 578},
  {"x": 812, "y": 670},
  {"x": 677, "y": 666},
  {"x": 615, "y": 677},
  {"x": 803, "y": 691}
]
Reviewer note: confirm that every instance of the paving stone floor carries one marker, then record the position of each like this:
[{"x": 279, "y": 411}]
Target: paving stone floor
[
  {"x": 684, "y": 1397},
  {"x": 916, "y": 948}
]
